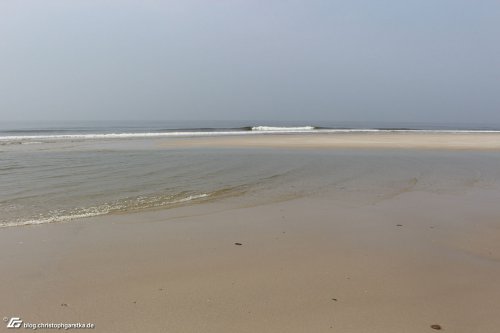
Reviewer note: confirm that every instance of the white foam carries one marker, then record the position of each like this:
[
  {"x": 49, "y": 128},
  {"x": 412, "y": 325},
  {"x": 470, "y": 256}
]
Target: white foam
[
  {"x": 100, "y": 210},
  {"x": 191, "y": 197},
  {"x": 282, "y": 129},
  {"x": 53, "y": 219}
]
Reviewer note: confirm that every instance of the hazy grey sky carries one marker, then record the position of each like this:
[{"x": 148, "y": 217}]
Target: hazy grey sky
[{"x": 352, "y": 60}]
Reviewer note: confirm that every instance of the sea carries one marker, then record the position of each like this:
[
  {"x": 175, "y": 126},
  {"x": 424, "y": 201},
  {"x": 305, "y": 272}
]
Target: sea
[{"x": 60, "y": 172}]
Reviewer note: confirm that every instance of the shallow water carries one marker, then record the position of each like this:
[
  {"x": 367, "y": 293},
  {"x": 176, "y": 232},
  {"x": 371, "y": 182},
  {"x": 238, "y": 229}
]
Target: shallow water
[{"x": 60, "y": 181}]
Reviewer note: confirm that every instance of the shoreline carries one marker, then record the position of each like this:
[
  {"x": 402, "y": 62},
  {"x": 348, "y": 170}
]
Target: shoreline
[
  {"x": 452, "y": 140},
  {"x": 377, "y": 268}
]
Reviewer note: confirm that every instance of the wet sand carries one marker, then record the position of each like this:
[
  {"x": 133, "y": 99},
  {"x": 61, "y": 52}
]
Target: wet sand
[
  {"x": 322, "y": 262},
  {"x": 399, "y": 140},
  {"x": 306, "y": 265}
]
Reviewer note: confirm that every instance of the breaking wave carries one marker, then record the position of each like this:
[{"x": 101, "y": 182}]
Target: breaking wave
[{"x": 283, "y": 129}]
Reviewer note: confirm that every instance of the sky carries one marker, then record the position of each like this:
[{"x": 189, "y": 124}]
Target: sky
[{"x": 433, "y": 61}]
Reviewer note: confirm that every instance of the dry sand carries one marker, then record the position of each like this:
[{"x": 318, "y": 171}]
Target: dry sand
[{"x": 311, "y": 264}]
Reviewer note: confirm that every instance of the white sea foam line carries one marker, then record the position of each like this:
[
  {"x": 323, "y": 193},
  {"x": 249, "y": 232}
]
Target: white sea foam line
[
  {"x": 222, "y": 133},
  {"x": 91, "y": 213},
  {"x": 280, "y": 129},
  {"x": 191, "y": 197},
  {"x": 63, "y": 218}
]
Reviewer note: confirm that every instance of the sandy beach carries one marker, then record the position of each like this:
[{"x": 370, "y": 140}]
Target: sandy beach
[
  {"x": 250, "y": 166},
  {"x": 401, "y": 140},
  {"x": 399, "y": 256}
]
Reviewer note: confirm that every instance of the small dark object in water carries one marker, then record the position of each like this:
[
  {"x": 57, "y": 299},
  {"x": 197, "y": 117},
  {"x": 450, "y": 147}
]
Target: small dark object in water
[
  {"x": 436, "y": 327},
  {"x": 64, "y": 304},
  {"x": 238, "y": 244},
  {"x": 399, "y": 225}
]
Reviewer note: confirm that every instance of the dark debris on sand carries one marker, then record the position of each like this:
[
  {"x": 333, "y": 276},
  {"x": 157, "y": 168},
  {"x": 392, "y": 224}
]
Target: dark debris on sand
[{"x": 436, "y": 327}]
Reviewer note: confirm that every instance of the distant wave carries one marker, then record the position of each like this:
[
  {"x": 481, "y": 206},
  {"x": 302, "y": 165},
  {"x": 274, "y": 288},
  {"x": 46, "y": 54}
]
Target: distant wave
[{"x": 283, "y": 129}]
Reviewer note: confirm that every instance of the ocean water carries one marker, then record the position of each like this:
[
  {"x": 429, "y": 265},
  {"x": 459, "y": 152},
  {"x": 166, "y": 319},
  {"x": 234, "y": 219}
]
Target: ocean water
[
  {"x": 34, "y": 133},
  {"x": 61, "y": 174}
]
